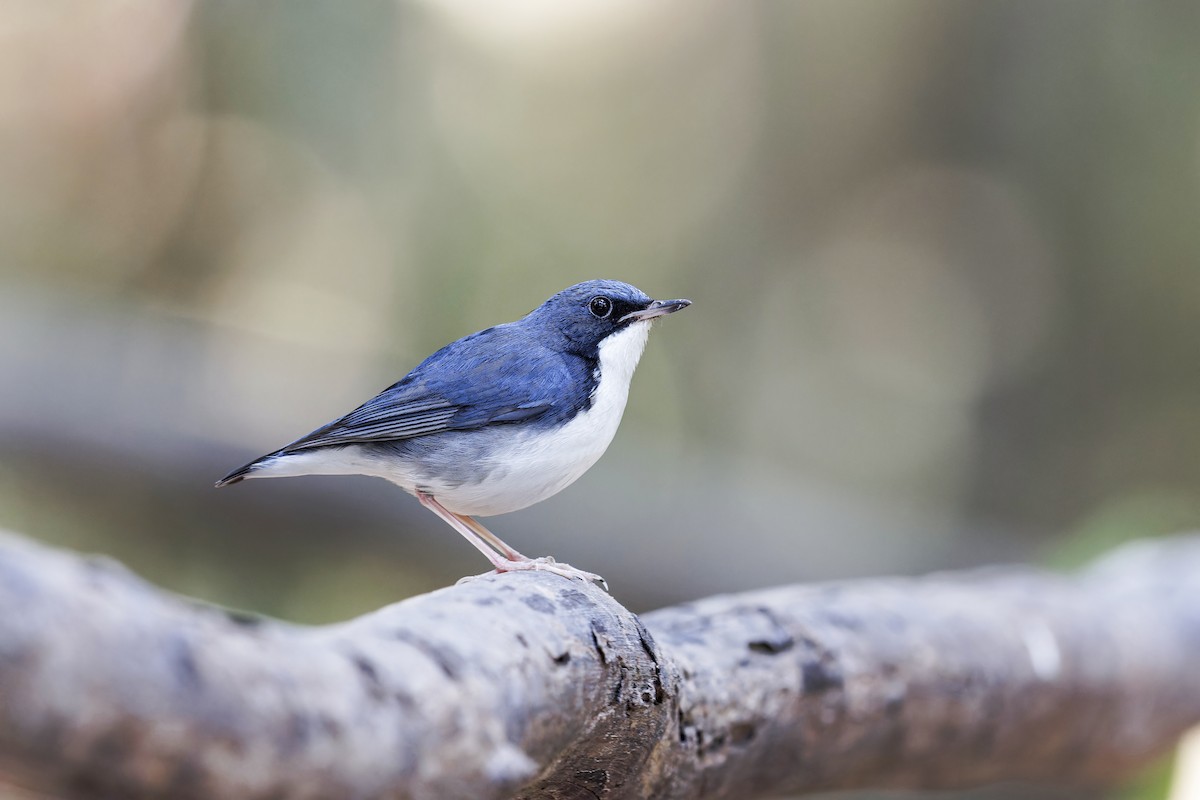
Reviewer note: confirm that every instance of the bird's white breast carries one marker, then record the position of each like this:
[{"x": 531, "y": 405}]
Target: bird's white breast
[{"x": 539, "y": 464}]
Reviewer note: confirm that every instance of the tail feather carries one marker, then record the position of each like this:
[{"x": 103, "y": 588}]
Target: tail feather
[
  {"x": 339, "y": 460},
  {"x": 241, "y": 473}
]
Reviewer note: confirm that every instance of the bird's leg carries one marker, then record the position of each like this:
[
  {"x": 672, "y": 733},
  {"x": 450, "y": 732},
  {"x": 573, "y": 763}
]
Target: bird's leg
[
  {"x": 491, "y": 538},
  {"x": 511, "y": 561},
  {"x": 456, "y": 522}
]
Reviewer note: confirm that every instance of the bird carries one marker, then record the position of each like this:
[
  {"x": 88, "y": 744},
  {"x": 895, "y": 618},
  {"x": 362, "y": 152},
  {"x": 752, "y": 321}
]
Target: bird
[{"x": 496, "y": 421}]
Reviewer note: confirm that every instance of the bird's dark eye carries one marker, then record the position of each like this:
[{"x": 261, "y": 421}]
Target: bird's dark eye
[{"x": 600, "y": 307}]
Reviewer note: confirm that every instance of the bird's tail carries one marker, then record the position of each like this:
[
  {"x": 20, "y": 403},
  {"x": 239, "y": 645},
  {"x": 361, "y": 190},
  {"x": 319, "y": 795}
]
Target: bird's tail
[
  {"x": 244, "y": 471},
  {"x": 235, "y": 476},
  {"x": 287, "y": 462}
]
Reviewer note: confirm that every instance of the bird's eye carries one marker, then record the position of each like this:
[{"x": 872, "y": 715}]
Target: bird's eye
[{"x": 600, "y": 307}]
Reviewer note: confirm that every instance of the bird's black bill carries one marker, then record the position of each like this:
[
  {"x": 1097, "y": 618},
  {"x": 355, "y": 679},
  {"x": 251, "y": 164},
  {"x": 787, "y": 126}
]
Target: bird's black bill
[{"x": 658, "y": 308}]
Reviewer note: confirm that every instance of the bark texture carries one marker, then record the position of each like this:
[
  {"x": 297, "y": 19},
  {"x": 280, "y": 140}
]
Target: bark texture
[{"x": 532, "y": 686}]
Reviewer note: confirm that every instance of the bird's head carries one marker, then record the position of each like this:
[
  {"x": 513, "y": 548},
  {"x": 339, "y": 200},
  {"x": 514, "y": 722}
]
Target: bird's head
[{"x": 590, "y": 312}]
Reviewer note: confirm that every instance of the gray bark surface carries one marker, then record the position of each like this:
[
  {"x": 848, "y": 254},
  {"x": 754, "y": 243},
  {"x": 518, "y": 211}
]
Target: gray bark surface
[{"x": 529, "y": 685}]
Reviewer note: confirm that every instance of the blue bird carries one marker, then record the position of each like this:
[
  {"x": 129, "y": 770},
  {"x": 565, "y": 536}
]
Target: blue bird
[{"x": 497, "y": 421}]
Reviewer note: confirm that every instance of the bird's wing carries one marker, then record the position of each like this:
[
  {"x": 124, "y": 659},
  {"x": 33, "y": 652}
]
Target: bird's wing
[{"x": 491, "y": 377}]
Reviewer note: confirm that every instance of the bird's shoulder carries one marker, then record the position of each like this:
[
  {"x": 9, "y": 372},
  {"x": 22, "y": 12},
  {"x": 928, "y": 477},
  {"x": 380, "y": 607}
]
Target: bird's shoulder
[{"x": 505, "y": 361}]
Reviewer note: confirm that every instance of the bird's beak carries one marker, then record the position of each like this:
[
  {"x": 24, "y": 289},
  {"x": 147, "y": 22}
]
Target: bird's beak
[{"x": 657, "y": 308}]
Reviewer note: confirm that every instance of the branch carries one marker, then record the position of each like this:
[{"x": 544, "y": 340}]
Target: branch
[{"x": 534, "y": 686}]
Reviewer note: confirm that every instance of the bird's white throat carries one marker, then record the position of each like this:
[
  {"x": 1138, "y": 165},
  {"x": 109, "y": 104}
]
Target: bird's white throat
[{"x": 619, "y": 355}]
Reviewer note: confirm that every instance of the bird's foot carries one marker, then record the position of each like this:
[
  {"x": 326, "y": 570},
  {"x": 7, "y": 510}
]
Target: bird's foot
[
  {"x": 548, "y": 564},
  {"x": 543, "y": 564}
]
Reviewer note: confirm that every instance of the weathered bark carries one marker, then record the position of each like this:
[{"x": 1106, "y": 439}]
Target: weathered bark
[{"x": 535, "y": 686}]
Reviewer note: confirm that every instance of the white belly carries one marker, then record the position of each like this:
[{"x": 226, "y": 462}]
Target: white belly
[
  {"x": 535, "y": 467},
  {"x": 541, "y": 464}
]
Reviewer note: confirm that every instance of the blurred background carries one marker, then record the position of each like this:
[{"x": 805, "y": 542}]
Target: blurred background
[{"x": 943, "y": 257}]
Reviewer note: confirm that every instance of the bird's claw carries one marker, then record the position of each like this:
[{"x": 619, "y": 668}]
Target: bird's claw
[
  {"x": 548, "y": 564},
  {"x": 543, "y": 564}
]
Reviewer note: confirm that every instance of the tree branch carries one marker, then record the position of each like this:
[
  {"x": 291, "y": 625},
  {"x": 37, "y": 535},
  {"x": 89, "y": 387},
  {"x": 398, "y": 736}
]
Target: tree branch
[{"x": 535, "y": 686}]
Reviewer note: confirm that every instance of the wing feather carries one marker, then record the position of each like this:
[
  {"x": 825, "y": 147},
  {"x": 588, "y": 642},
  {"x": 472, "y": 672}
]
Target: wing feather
[
  {"x": 461, "y": 387},
  {"x": 393, "y": 423}
]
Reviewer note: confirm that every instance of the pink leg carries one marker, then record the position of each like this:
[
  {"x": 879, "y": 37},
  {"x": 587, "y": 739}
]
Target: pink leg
[
  {"x": 456, "y": 522},
  {"x": 491, "y": 538},
  {"x": 511, "y": 561}
]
